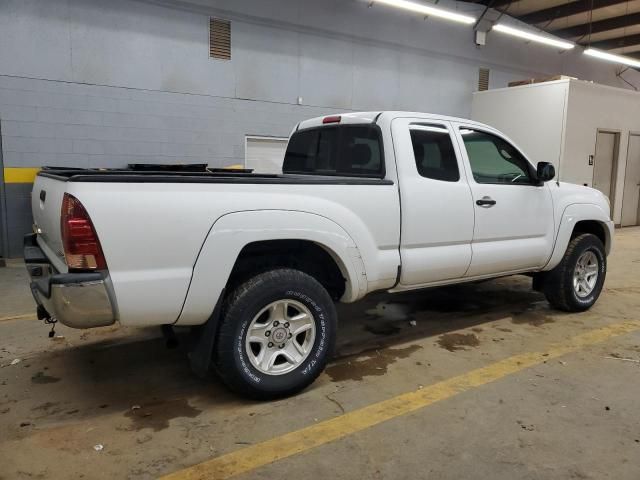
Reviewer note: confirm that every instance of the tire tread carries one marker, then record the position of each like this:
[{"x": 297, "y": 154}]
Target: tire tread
[
  {"x": 557, "y": 289},
  {"x": 223, "y": 354}
]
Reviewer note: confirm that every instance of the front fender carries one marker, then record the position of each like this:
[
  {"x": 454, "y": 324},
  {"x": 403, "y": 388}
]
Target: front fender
[
  {"x": 232, "y": 232},
  {"x": 570, "y": 217}
]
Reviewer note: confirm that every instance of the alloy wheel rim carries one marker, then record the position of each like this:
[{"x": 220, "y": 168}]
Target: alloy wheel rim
[
  {"x": 585, "y": 274},
  {"x": 280, "y": 337}
]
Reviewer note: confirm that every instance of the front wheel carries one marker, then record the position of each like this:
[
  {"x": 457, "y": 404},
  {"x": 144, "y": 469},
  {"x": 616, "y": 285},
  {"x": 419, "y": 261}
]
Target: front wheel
[
  {"x": 575, "y": 284},
  {"x": 277, "y": 334}
]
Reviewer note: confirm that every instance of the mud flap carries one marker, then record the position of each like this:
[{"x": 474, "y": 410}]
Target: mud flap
[
  {"x": 202, "y": 351},
  {"x": 538, "y": 281}
]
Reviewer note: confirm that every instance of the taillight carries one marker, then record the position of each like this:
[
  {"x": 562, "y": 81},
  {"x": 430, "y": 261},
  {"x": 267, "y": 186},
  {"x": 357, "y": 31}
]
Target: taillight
[{"x": 82, "y": 250}]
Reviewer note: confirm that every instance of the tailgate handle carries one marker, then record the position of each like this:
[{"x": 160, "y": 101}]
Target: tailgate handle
[{"x": 43, "y": 195}]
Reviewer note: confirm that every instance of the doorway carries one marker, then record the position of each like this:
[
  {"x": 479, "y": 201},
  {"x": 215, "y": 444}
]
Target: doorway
[
  {"x": 265, "y": 154},
  {"x": 605, "y": 163},
  {"x": 631, "y": 194}
]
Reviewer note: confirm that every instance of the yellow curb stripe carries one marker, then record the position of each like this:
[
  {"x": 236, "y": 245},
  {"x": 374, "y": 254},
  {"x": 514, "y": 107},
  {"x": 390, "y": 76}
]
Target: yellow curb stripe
[
  {"x": 287, "y": 445},
  {"x": 20, "y": 174},
  {"x": 27, "y": 316}
]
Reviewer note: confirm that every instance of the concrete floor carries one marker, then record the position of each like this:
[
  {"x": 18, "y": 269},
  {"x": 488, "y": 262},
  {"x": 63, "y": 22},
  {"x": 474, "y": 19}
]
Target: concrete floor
[{"x": 577, "y": 416}]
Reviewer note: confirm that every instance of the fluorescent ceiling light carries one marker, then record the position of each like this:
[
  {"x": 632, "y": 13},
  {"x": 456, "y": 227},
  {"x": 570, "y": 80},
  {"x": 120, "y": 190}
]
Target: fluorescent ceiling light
[
  {"x": 534, "y": 37},
  {"x": 610, "y": 57},
  {"x": 430, "y": 11}
]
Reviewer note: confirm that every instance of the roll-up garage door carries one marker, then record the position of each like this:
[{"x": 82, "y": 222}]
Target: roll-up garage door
[{"x": 265, "y": 154}]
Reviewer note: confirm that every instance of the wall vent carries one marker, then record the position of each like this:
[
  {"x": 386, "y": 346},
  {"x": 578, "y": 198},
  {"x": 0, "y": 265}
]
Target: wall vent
[
  {"x": 219, "y": 39},
  {"x": 483, "y": 79}
]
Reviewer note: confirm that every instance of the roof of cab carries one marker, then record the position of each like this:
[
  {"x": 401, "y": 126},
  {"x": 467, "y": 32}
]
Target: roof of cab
[
  {"x": 374, "y": 117},
  {"x": 352, "y": 117}
]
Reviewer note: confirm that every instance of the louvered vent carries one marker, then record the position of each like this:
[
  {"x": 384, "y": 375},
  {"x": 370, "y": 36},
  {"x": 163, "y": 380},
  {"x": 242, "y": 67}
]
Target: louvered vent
[
  {"x": 219, "y": 39},
  {"x": 483, "y": 79}
]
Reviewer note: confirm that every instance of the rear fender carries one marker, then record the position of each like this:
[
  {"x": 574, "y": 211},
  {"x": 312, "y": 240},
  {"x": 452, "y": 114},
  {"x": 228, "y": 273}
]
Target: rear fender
[{"x": 232, "y": 232}]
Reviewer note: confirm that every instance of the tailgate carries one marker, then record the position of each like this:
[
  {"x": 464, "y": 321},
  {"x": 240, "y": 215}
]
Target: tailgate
[{"x": 46, "y": 205}]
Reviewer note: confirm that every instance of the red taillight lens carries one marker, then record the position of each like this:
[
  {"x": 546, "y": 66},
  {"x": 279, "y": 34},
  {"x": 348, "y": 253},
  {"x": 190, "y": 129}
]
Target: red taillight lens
[{"x": 82, "y": 249}]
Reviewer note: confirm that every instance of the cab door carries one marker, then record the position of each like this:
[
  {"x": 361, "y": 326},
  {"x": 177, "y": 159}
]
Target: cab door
[
  {"x": 436, "y": 203},
  {"x": 514, "y": 224}
]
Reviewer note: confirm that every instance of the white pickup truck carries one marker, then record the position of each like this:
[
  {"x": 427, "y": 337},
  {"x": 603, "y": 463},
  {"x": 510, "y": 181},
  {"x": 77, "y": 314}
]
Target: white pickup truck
[{"x": 368, "y": 201}]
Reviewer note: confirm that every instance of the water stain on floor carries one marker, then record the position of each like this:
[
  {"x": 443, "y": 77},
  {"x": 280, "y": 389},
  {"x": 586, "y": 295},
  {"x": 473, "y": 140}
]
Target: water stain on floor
[
  {"x": 374, "y": 364},
  {"x": 530, "y": 317},
  {"x": 156, "y": 415},
  {"x": 45, "y": 406},
  {"x": 382, "y": 328},
  {"x": 458, "y": 341},
  {"x": 504, "y": 329},
  {"x": 42, "y": 378},
  {"x": 390, "y": 311}
]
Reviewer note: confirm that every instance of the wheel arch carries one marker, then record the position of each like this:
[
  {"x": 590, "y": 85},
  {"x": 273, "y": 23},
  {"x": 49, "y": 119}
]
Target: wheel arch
[
  {"x": 577, "y": 219},
  {"x": 595, "y": 227},
  {"x": 310, "y": 257},
  {"x": 238, "y": 236}
]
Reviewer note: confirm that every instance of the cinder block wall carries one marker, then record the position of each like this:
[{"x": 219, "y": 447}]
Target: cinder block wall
[
  {"x": 89, "y": 83},
  {"x": 75, "y": 125}
]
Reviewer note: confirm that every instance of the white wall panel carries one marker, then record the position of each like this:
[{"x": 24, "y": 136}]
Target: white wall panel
[
  {"x": 532, "y": 115},
  {"x": 558, "y": 122},
  {"x": 592, "y": 107}
]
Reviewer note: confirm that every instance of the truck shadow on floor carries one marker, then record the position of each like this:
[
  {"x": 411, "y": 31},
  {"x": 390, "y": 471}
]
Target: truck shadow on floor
[
  {"x": 119, "y": 374},
  {"x": 382, "y": 320}
]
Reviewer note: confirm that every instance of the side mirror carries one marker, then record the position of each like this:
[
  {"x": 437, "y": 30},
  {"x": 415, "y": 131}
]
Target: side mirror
[{"x": 545, "y": 171}]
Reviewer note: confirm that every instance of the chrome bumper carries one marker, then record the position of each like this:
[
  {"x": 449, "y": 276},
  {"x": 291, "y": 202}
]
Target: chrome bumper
[{"x": 77, "y": 300}]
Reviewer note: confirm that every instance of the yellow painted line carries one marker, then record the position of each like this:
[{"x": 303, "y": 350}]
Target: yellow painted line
[
  {"x": 20, "y": 174},
  {"x": 26, "y": 316},
  {"x": 299, "y": 441}
]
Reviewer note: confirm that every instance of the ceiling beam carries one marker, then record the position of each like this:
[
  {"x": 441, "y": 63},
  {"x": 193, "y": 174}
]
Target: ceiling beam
[
  {"x": 600, "y": 26},
  {"x": 617, "y": 42},
  {"x": 566, "y": 10},
  {"x": 497, "y": 4}
]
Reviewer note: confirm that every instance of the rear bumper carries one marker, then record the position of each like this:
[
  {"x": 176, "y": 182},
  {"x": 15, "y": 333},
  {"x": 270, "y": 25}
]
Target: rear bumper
[{"x": 77, "y": 300}]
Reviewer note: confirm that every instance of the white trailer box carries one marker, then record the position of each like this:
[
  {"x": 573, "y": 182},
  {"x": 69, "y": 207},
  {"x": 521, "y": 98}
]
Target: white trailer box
[{"x": 590, "y": 132}]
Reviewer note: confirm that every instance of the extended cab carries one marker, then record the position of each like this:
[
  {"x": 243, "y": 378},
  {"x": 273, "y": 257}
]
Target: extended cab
[{"x": 368, "y": 201}]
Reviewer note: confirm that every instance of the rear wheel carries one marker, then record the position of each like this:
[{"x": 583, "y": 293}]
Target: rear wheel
[
  {"x": 575, "y": 284},
  {"x": 276, "y": 336}
]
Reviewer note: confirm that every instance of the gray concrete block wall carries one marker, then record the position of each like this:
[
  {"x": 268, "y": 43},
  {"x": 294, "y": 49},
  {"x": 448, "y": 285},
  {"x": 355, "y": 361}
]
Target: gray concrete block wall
[
  {"x": 18, "y": 213},
  {"x": 47, "y": 122},
  {"x": 54, "y": 123}
]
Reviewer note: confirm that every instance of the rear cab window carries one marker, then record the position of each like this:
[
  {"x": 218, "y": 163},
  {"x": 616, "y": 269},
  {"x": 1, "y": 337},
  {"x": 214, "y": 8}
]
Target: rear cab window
[
  {"x": 340, "y": 150},
  {"x": 434, "y": 154}
]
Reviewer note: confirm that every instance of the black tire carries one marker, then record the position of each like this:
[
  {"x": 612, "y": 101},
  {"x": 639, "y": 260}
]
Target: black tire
[
  {"x": 558, "y": 283},
  {"x": 231, "y": 360}
]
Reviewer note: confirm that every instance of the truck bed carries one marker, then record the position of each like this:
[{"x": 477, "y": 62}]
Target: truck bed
[{"x": 129, "y": 175}]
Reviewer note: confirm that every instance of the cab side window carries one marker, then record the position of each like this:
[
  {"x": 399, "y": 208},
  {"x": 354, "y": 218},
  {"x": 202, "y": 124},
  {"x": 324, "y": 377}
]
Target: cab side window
[
  {"x": 493, "y": 160},
  {"x": 434, "y": 154}
]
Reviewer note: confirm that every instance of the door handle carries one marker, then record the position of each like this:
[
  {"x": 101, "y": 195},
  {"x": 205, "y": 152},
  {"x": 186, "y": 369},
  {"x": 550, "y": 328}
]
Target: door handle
[{"x": 486, "y": 202}]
